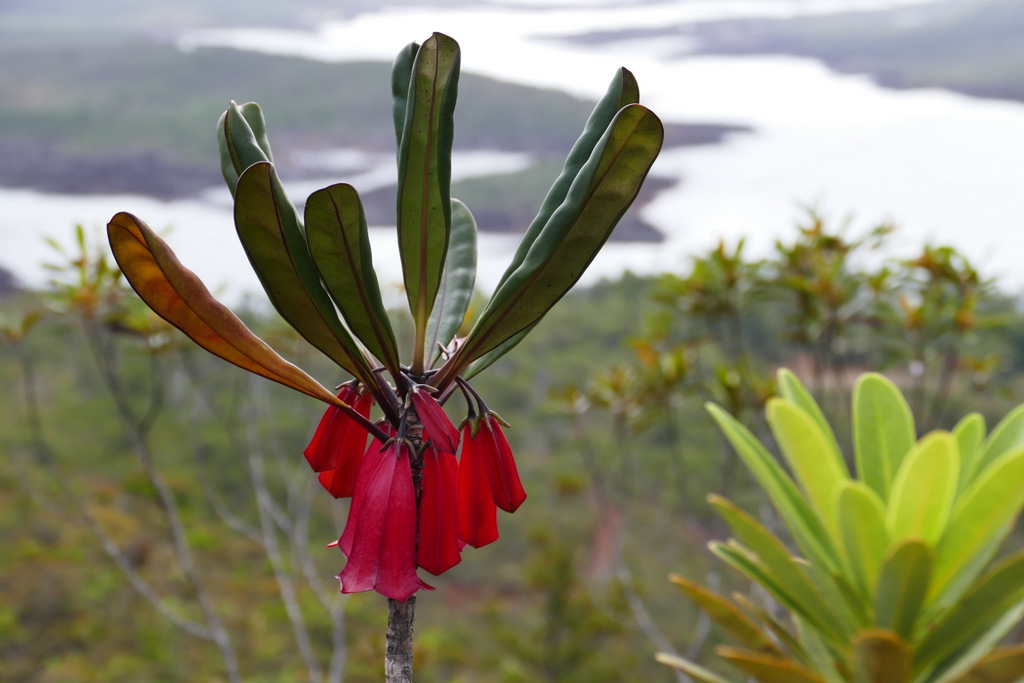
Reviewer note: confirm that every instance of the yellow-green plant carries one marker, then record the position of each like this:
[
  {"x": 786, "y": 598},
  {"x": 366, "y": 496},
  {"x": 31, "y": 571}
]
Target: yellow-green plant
[{"x": 892, "y": 583}]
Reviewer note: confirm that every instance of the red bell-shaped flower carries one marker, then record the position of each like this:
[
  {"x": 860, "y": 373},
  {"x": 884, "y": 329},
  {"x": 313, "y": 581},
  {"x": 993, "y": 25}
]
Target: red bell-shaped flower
[
  {"x": 380, "y": 535},
  {"x": 440, "y": 430},
  {"x": 477, "y": 515},
  {"x": 438, "y": 547},
  {"x": 338, "y": 444},
  {"x": 502, "y": 474}
]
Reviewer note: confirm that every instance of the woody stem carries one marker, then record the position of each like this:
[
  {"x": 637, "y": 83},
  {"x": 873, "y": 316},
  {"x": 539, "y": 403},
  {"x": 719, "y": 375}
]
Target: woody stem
[{"x": 398, "y": 656}]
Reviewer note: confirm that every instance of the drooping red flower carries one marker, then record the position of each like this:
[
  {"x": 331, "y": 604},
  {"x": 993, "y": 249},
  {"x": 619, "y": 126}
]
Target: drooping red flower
[
  {"x": 380, "y": 535},
  {"x": 477, "y": 514},
  {"x": 337, "y": 446},
  {"x": 438, "y": 547},
  {"x": 440, "y": 430},
  {"x": 502, "y": 473}
]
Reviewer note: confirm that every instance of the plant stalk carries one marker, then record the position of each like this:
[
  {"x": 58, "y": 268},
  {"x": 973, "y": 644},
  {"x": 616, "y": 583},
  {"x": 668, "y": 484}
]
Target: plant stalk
[{"x": 398, "y": 656}]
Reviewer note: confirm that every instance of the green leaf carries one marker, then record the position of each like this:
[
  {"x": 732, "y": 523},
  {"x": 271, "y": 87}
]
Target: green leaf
[
  {"x": 726, "y": 615},
  {"x": 401, "y": 78},
  {"x": 783, "y": 634},
  {"x": 457, "y": 281},
  {"x": 787, "y": 574},
  {"x": 1002, "y": 665},
  {"x": 768, "y": 668},
  {"x": 1007, "y": 435},
  {"x": 969, "y": 433},
  {"x": 805, "y": 526},
  {"x": 883, "y": 431},
  {"x": 962, "y": 661},
  {"x": 180, "y": 298},
  {"x": 880, "y": 656},
  {"x": 820, "y": 471},
  {"x": 697, "y": 673},
  {"x": 903, "y": 585},
  {"x": 996, "y": 592},
  {"x": 793, "y": 390},
  {"x": 982, "y": 515},
  {"x": 277, "y": 250},
  {"x": 623, "y": 90},
  {"x": 242, "y": 138},
  {"x": 747, "y": 563},
  {"x": 924, "y": 489},
  {"x": 339, "y": 243},
  {"x": 861, "y": 516},
  {"x": 601, "y": 193},
  {"x": 424, "y": 178}
]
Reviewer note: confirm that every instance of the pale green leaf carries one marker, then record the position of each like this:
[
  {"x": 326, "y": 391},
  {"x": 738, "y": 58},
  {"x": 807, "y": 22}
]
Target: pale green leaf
[
  {"x": 818, "y": 468},
  {"x": 794, "y": 391},
  {"x": 982, "y": 514},
  {"x": 883, "y": 431},
  {"x": 1008, "y": 435},
  {"x": 924, "y": 489},
  {"x": 861, "y": 516},
  {"x": 805, "y": 526},
  {"x": 969, "y": 433}
]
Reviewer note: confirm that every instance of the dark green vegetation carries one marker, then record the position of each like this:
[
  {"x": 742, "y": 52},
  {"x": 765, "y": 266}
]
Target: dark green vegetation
[
  {"x": 615, "y": 451},
  {"x": 137, "y": 116},
  {"x": 969, "y": 47}
]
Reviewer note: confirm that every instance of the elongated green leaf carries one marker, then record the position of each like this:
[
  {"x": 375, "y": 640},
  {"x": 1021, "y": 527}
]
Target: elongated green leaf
[
  {"x": 276, "y": 247},
  {"x": 969, "y": 433},
  {"x": 242, "y": 138},
  {"x": 828, "y": 660},
  {"x": 623, "y": 90},
  {"x": 339, "y": 243},
  {"x": 1002, "y": 665},
  {"x": 802, "y": 522},
  {"x": 783, "y": 634},
  {"x": 401, "y": 79},
  {"x": 180, "y": 298},
  {"x": 903, "y": 585},
  {"x": 861, "y": 517},
  {"x": 789, "y": 575},
  {"x": 924, "y": 489},
  {"x": 883, "y": 431},
  {"x": 880, "y": 656},
  {"x": 993, "y": 594},
  {"x": 457, "y": 282},
  {"x": 746, "y": 562},
  {"x": 1008, "y": 435},
  {"x": 856, "y": 605},
  {"x": 424, "y": 178},
  {"x": 816, "y": 465},
  {"x": 962, "y": 661},
  {"x": 601, "y": 193},
  {"x": 793, "y": 390},
  {"x": 768, "y": 668},
  {"x": 697, "y": 673},
  {"x": 982, "y": 514},
  {"x": 728, "y": 616}
]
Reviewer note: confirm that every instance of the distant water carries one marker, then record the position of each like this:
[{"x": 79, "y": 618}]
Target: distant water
[{"x": 947, "y": 168}]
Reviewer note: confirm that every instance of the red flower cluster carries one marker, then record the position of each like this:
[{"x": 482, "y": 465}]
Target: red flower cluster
[{"x": 392, "y": 529}]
